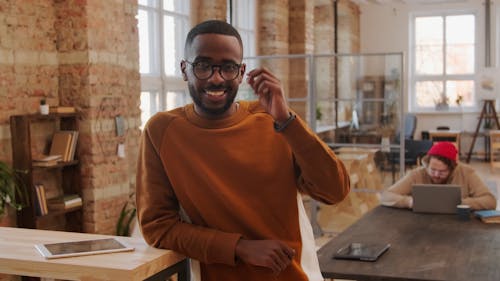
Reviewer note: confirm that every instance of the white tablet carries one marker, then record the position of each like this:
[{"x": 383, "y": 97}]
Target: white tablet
[{"x": 82, "y": 248}]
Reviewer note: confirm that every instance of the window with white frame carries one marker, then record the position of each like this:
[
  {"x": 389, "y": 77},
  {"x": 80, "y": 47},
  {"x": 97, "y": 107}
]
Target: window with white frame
[
  {"x": 443, "y": 61},
  {"x": 241, "y": 15},
  {"x": 163, "y": 26}
]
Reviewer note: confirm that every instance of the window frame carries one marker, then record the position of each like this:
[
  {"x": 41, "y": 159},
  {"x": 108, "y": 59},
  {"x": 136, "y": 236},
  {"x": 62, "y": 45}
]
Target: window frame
[
  {"x": 157, "y": 82},
  {"x": 248, "y": 35},
  {"x": 413, "y": 77}
]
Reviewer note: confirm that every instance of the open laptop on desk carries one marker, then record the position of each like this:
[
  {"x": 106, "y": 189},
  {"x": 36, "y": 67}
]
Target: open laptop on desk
[{"x": 436, "y": 198}]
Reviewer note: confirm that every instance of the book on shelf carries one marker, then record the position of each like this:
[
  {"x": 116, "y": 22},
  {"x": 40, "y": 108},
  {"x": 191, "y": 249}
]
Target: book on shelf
[
  {"x": 41, "y": 200},
  {"x": 64, "y": 202},
  {"x": 64, "y": 144},
  {"x": 488, "y": 216},
  {"x": 72, "y": 149},
  {"x": 46, "y": 161},
  {"x": 62, "y": 109}
]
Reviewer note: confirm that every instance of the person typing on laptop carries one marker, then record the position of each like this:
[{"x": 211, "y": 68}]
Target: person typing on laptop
[{"x": 440, "y": 166}]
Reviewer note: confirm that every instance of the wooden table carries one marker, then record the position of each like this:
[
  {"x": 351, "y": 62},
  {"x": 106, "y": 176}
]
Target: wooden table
[
  {"x": 18, "y": 256},
  {"x": 423, "y": 247}
]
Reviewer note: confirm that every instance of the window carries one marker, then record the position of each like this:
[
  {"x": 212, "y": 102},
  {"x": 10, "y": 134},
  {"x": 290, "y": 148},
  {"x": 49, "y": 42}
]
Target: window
[
  {"x": 443, "y": 62},
  {"x": 242, "y": 17},
  {"x": 163, "y": 26}
]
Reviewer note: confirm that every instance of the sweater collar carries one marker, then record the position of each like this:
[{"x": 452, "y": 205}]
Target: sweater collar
[{"x": 229, "y": 121}]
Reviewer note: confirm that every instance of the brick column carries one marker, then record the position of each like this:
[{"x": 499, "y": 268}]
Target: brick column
[
  {"x": 272, "y": 37},
  {"x": 202, "y": 10},
  {"x": 347, "y": 42},
  {"x": 301, "y": 41},
  {"x": 99, "y": 73},
  {"x": 324, "y": 43}
]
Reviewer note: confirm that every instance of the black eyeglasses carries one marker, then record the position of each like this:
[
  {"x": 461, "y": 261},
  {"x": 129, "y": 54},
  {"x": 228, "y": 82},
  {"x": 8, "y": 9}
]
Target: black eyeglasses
[{"x": 204, "y": 70}]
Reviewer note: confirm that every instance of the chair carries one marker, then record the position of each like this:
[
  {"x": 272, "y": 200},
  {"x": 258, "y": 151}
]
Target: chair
[
  {"x": 414, "y": 151},
  {"x": 410, "y": 127}
]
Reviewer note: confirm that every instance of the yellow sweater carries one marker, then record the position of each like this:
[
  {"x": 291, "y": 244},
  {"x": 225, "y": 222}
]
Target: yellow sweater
[{"x": 230, "y": 178}]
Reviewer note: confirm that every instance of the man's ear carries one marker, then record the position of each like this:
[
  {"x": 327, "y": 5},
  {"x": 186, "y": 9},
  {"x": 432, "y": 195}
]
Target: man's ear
[
  {"x": 243, "y": 67},
  {"x": 183, "y": 70}
]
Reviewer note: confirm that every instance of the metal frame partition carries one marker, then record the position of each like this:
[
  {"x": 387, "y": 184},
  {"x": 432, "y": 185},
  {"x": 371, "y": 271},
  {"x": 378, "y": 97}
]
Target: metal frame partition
[{"x": 350, "y": 100}]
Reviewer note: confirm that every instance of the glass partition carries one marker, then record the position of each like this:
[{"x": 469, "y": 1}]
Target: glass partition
[
  {"x": 348, "y": 99},
  {"x": 354, "y": 103}
]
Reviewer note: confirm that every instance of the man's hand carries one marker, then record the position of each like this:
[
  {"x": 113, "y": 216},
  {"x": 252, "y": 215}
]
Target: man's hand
[
  {"x": 272, "y": 254},
  {"x": 270, "y": 92}
]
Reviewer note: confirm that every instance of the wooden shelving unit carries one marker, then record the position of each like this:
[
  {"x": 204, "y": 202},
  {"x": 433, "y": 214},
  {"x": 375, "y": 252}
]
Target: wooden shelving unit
[{"x": 68, "y": 172}]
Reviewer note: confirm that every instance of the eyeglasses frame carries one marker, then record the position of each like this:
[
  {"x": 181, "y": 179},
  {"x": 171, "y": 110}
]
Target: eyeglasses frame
[{"x": 212, "y": 66}]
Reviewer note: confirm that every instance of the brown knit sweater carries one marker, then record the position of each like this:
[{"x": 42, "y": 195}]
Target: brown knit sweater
[{"x": 231, "y": 178}]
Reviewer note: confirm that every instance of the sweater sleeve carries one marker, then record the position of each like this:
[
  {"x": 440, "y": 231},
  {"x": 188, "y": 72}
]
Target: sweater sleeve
[
  {"x": 320, "y": 173},
  {"x": 399, "y": 194},
  {"x": 159, "y": 212},
  {"x": 479, "y": 196}
]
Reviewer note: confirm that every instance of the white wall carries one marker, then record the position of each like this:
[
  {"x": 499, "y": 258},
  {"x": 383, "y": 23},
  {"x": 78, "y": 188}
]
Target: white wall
[{"x": 385, "y": 28}]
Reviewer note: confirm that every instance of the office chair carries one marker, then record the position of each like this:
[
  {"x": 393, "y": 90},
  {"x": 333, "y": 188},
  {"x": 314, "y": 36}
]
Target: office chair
[
  {"x": 410, "y": 126},
  {"x": 410, "y": 120},
  {"x": 414, "y": 151}
]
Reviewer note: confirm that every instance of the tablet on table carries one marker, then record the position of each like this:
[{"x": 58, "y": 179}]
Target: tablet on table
[{"x": 81, "y": 248}]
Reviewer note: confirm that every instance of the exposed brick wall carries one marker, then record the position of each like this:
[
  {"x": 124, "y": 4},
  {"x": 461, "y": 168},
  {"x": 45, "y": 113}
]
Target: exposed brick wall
[
  {"x": 81, "y": 53},
  {"x": 301, "y": 41},
  {"x": 324, "y": 43},
  {"x": 208, "y": 10},
  {"x": 272, "y": 27},
  {"x": 348, "y": 27},
  {"x": 28, "y": 62},
  {"x": 347, "y": 42},
  {"x": 112, "y": 89}
]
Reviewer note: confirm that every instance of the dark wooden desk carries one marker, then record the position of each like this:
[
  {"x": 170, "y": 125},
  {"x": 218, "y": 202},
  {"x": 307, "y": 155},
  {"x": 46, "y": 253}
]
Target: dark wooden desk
[{"x": 423, "y": 247}]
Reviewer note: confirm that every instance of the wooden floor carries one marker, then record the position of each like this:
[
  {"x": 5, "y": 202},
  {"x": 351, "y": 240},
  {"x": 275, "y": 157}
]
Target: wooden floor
[{"x": 483, "y": 168}]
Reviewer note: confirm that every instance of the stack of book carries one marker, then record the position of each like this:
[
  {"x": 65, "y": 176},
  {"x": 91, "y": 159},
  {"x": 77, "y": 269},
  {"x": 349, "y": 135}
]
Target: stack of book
[
  {"x": 488, "y": 216},
  {"x": 62, "y": 109},
  {"x": 41, "y": 200},
  {"x": 64, "y": 144},
  {"x": 47, "y": 161},
  {"x": 64, "y": 202}
]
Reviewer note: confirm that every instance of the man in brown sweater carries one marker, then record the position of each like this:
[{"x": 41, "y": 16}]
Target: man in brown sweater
[{"x": 221, "y": 181}]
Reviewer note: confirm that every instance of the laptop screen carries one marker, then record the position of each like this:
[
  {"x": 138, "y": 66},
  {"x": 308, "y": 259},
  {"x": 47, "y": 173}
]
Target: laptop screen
[{"x": 436, "y": 198}]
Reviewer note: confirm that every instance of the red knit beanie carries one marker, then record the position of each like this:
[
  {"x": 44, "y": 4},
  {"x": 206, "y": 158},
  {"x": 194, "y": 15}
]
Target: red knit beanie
[{"x": 444, "y": 149}]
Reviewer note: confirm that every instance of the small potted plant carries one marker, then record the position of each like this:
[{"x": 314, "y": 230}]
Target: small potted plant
[
  {"x": 127, "y": 217},
  {"x": 442, "y": 103},
  {"x": 12, "y": 190}
]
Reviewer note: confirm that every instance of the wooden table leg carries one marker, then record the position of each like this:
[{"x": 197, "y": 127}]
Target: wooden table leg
[{"x": 181, "y": 269}]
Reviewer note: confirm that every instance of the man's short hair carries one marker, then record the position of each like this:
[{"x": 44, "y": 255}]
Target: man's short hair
[{"x": 214, "y": 27}]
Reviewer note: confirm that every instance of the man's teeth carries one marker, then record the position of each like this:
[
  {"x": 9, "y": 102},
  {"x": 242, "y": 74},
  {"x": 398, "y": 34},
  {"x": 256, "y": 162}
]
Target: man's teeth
[{"x": 215, "y": 93}]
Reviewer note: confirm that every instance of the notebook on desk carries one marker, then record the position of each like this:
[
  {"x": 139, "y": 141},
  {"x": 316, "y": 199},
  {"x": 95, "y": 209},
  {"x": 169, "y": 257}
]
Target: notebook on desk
[{"x": 436, "y": 198}]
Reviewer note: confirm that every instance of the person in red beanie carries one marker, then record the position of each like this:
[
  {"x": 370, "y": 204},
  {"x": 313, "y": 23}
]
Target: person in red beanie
[{"x": 441, "y": 166}]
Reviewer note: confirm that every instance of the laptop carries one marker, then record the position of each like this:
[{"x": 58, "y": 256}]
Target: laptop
[{"x": 436, "y": 198}]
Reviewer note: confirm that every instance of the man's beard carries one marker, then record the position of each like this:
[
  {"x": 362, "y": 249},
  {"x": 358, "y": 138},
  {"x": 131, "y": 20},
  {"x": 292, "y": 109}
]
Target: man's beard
[{"x": 211, "y": 111}]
